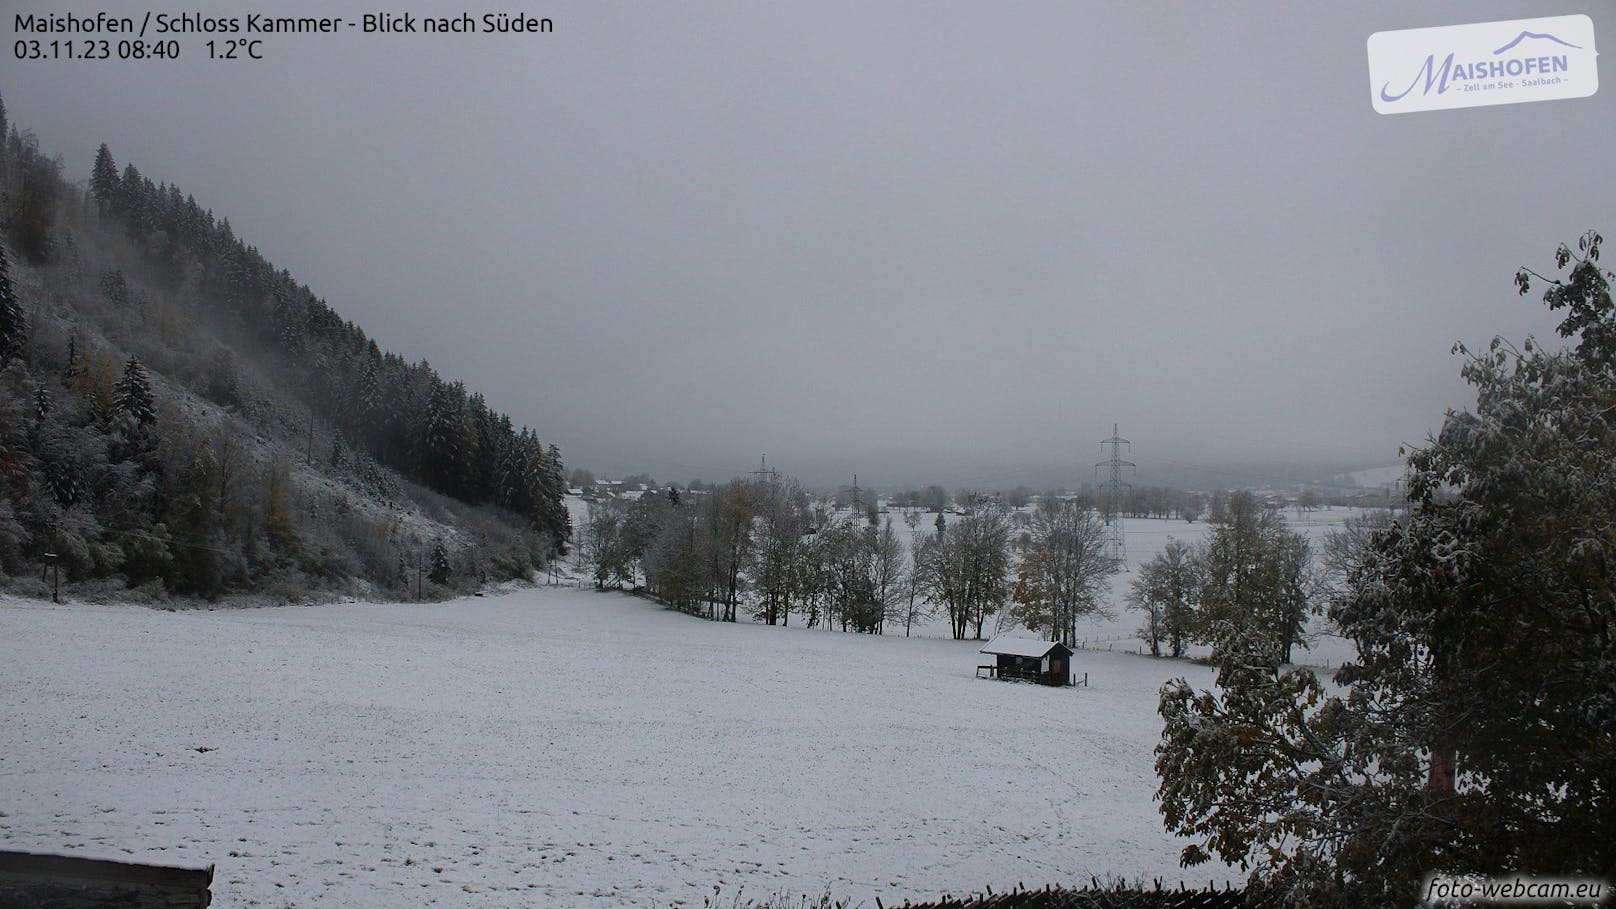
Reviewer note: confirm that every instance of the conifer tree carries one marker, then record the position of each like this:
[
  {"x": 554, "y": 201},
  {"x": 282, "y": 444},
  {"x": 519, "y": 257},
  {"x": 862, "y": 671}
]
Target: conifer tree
[
  {"x": 132, "y": 395},
  {"x": 440, "y": 564},
  {"x": 104, "y": 184},
  {"x": 13, "y": 323},
  {"x": 71, "y": 370},
  {"x": 440, "y": 437},
  {"x": 556, "y": 521},
  {"x": 132, "y": 197},
  {"x": 114, "y": 288}
]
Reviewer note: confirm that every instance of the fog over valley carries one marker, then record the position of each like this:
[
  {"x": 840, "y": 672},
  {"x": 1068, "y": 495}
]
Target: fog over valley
[{"x": 920, "y": 242}]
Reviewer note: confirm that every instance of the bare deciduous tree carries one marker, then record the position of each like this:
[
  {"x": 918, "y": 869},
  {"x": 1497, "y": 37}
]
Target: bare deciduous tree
[{"x": 1064, "y": 573}]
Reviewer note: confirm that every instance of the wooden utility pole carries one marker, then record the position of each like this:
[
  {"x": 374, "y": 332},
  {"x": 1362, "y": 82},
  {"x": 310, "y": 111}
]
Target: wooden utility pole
[{"x": 53, "y": 564}]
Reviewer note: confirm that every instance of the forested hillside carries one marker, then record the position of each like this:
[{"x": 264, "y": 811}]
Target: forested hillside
[{"x": 178, "y": 415}]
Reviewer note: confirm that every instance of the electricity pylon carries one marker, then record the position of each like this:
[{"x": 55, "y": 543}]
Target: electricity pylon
[{"x": 1115, "y": 548}]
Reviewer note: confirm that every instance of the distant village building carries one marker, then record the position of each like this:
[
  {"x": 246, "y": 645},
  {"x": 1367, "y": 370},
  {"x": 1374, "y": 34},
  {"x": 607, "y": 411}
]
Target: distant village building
[
  {"x": 611, "y": 489},
  {"x": 1045, "y": 662}
]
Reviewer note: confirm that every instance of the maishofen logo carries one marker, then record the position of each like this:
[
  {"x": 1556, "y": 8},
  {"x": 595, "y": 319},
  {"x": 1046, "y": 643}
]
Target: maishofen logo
[{"x": 1483, "y": 63}]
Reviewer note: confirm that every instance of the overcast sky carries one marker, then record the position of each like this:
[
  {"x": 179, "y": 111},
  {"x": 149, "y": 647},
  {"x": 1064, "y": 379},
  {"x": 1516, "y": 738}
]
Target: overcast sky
[{"x": 929, "y": 240}]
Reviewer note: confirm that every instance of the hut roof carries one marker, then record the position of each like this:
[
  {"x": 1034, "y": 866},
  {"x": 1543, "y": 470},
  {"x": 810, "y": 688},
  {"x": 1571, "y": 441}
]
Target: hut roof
[{"x": 1022, "y": 647}]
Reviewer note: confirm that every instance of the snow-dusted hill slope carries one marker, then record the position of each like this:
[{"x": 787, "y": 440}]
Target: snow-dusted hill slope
[{"x": 560, "y": 747}]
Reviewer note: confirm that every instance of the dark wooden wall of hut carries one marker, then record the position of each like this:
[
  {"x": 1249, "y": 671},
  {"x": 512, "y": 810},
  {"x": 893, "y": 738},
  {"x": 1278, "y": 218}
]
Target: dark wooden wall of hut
[{"x": 30, "y": 881}]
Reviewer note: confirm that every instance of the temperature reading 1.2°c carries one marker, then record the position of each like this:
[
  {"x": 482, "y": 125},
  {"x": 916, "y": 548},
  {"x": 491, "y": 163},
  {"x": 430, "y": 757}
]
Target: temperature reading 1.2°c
[{"x": 236, "y": 49}]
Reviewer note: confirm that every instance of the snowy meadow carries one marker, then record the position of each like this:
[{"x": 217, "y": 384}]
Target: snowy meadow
[{"x": 560, "y": 747}]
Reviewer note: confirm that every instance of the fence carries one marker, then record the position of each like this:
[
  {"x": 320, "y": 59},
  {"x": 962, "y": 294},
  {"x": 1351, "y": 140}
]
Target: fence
[
  {"x": 1109, "y": 643},
  {"x": 1094, "y": 897}
]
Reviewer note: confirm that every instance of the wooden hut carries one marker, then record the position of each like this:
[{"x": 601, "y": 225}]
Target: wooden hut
[
  {"x": 1045, "y": 662},
  {"x": 70, "y": 882}
]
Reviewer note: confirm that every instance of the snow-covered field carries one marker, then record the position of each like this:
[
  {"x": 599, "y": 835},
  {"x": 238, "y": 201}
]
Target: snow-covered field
[
  {"x": 1147, "y": 537},
  {"x": 560, "y": 747}
]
